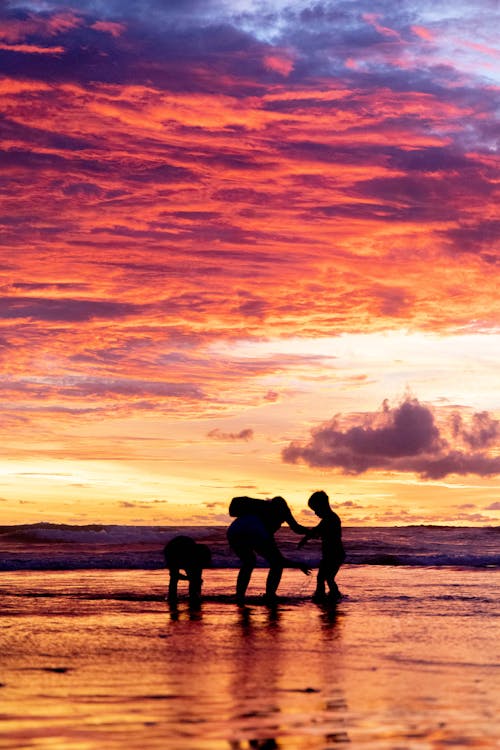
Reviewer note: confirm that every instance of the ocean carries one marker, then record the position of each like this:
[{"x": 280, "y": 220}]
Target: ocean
[{"x": 48, "y": 546}]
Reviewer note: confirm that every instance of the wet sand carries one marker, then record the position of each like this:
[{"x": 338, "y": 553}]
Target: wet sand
[{"x": 95, "y": 660}]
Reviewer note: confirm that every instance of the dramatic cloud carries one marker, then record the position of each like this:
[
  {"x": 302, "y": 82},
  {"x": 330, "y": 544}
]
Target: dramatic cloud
[
  {"x": 401, "y": 439},
  {"x": 163, "y": 145}
]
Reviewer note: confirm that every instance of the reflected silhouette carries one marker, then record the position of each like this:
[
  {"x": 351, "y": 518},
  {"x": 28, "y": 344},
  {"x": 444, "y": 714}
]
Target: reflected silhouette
[
  {"x": 189, "y": 611},
  {"x": 183, "y": 553},
  {"x": 267, "y": 744},
  {"x": 252, "y": 533},
  {"x": 250, "y": 617},
  {"x": 329, "y": 615},
  {"x": 329, "y": 530},
  {"x": 279, "y": 690}
]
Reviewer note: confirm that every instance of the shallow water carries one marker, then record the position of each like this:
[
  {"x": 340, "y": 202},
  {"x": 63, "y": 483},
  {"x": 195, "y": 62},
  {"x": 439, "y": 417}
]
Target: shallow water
[{"x": 93, "y": 660}]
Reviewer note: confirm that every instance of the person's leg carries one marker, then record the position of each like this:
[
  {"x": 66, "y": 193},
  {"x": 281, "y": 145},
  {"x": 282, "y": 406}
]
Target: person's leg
[
  {"x": 248, "y": 560},
  {"x": 172, "y": 585},
  {"x": 273, "y": 580},
  {"x": 195, "y": 583},
  {"x": 243, "y": 535},
  {"x": 269, "y": 550},
  {"x": 331, "y": 571},
  {"x": 320, "y": 592}
]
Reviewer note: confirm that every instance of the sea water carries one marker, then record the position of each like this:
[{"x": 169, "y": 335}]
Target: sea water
[{"x": 46, "y": 546}]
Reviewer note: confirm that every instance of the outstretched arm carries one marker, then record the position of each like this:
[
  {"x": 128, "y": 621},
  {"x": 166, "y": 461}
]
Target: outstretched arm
[
  {"x": 297, "y": 564},
  {"x": 309, "y": 534},
  {"x": 275, "y": 557},
  {"x": 294, "y": 525}
]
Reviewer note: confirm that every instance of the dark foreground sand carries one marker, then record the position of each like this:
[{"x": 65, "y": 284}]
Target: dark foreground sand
[{"x": 95, "y": 660}]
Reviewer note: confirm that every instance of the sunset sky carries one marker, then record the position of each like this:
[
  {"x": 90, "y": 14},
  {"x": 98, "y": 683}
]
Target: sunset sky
[{"x": 249, "y": 248}]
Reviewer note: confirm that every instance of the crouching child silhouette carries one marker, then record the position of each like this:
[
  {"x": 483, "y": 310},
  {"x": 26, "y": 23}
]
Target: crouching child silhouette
[
  {"x": 329, "y": 530},
  {"x": 183, "y": 553}
]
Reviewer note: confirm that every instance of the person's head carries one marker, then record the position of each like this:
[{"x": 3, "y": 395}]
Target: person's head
[{"x": 319, "y": 503}]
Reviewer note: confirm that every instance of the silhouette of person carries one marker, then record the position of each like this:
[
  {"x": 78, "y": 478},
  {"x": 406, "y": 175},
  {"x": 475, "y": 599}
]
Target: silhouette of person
[
  {"x": 183, "y": 553},
  {"x": 329, "y": 530},
  {"x": 252, "y": 533}
]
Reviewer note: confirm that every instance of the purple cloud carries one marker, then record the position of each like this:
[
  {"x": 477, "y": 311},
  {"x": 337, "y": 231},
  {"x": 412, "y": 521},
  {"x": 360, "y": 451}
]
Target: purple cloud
[
  {"x": 67, "y": 310},
  {"x": 246, "y": 435},
  {"x": 483, "y": 431},
  {"x": 401, "y": 439}
]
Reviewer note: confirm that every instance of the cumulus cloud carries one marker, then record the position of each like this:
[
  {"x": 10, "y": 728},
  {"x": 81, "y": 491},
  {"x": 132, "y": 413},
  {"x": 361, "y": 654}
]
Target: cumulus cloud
[
  {"x": 406, "y": 438},
  {"x": 216, "y": 434},
  {"x": 483, "y": 431}
]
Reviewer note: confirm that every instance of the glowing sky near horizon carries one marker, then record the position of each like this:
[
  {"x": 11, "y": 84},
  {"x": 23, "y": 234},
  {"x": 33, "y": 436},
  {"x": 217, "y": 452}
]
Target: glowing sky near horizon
[{"x": 249, "y": 248}]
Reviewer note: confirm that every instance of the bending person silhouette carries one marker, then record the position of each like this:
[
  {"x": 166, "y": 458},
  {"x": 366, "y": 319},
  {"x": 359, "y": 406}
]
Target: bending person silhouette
[
  {"x": 329, "y": 530},
  {"x": 252, "y": 533},
  {"x": 183, "y": 553}
]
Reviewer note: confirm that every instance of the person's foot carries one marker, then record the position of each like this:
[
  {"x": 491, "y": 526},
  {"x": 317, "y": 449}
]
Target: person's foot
[
  {"x": 319, "y": 597},
  {"x": 334, "y": 596}
]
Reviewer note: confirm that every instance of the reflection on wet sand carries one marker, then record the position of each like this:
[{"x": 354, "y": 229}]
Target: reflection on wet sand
[
  {"x": 283, "y": 686},
  {"x": 267, "y": 744}
]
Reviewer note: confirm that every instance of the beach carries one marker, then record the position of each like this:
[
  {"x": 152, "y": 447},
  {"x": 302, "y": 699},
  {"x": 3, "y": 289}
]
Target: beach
[{"x": 96, "y": 659}]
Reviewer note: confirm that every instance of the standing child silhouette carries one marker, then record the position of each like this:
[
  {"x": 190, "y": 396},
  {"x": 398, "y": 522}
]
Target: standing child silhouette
[{"x": 329, "y": 530}]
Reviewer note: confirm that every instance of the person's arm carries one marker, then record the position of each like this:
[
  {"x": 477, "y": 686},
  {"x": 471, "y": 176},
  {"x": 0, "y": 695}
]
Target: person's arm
[
  {"x": 275, "y": 557},
  {"x": 294, "y": 525},
  {"x": 304, "y": 567},
  {"x": 305, "y": 539},
  {"x": 310, "y": 534}
]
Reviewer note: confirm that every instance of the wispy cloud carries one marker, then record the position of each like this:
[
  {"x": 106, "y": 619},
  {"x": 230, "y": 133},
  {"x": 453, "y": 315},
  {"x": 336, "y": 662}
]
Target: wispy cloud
[{"x": 245, "y": 435}]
